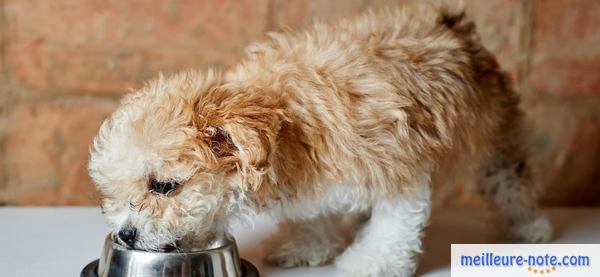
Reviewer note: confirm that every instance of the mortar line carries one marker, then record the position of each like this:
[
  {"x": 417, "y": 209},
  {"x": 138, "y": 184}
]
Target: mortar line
[
  {"x": 272, "y": 23},
  {"x": 4, "y": 97},
  {"x": 526, "y": 45}
]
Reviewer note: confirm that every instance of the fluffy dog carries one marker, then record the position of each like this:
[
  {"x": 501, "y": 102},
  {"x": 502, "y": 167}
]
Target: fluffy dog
[{"x": 340, "y": 132}]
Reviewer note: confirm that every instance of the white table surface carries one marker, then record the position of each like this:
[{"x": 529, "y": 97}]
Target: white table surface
[{"x": 61, "y": 241}]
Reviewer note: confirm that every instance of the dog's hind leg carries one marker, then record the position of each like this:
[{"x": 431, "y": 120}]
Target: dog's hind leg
[{"x": 508, "y": 184}]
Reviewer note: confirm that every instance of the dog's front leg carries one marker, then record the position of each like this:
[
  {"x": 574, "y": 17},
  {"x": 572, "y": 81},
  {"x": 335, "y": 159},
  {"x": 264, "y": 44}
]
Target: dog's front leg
[
  {"x": 303, "y": 242},
  {"x": 389, "y": 243}
]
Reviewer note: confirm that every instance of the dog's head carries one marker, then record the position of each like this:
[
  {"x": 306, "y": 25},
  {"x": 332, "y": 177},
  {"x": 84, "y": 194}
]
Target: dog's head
[{"x": 179, "y": 157}]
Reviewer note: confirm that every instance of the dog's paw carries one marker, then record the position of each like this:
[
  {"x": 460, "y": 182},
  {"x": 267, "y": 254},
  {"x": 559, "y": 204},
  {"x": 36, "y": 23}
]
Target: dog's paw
[
  {"x": 356, "y": 266},
  {"x": 370, "y": 264},
  {"x": 535, "y": 231},
  {"x": 295, "y": 253}
]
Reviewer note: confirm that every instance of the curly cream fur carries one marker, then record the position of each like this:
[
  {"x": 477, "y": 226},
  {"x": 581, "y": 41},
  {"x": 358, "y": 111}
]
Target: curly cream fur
[{"x": 362, "y": 116}]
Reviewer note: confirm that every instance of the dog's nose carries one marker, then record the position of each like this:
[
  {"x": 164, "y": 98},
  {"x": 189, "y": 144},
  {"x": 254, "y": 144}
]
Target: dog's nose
[{"x": 128, "y": 235}]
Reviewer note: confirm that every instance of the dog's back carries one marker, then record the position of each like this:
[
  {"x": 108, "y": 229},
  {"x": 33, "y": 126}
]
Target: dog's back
[{"x": 378, "y": 99}]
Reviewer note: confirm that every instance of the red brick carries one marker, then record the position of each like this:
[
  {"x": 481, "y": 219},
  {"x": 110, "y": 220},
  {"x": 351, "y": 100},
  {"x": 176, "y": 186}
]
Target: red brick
[
  {"x": 565, "y": 26},
  {"x": 567, "y": 76},
  {"x": 297, "y": 14},
  {"x": 500, "y": 24},
  {"x": 46, "y": 151},
  {"x": 566, "y": 147},
  {"x": 566, "y": 58},
  {"x": 109, "y": 46}
]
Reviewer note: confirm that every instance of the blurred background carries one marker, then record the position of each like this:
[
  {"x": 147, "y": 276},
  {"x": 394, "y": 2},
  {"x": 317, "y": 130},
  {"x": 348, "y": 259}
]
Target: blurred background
[{"x": 64, "y": 64}]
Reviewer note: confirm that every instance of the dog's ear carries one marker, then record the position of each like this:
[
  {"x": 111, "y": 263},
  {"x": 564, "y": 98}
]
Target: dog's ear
[
  {"x": 251, "y": 140},
  {"x": 250, "y": 145},
  {"x": 243, "y": 124},
  {"x": 253, "y": 145},
  {"x": 220, "y": 142}
]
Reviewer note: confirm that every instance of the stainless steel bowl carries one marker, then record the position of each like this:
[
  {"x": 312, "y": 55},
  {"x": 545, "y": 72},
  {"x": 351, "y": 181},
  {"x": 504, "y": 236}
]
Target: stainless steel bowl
[{"x": 221, "y": 261}]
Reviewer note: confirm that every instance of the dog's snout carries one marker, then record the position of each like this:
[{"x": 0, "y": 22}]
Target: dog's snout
[{"x": 128, "y": 235}]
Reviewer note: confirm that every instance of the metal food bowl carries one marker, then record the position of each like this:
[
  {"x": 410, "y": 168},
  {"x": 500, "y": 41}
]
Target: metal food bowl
[{"x": 220, "y": 261}]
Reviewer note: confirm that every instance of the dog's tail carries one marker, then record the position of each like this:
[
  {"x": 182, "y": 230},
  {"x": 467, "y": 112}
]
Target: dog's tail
[{"x": 452, "y": 14}]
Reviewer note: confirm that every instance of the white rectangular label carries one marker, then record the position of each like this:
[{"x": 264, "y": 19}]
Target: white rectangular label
[{"x": 515, "y": 260}]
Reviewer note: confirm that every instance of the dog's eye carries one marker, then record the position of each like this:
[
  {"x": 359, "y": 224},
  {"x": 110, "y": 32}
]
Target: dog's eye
[{"x": 162, "y": 187}]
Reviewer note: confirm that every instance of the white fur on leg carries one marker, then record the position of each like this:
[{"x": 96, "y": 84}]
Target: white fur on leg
[
  {"x": 507, "y": 190},
  {"x": 538, "y": 230},
  {"x": 389, "y": 243},
  {"x": 304, "y": 243}
]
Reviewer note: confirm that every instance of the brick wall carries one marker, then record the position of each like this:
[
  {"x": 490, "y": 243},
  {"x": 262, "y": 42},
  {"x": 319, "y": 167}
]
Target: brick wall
[{"x": 65, "y": 63}]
